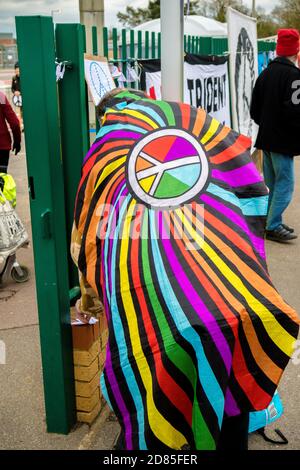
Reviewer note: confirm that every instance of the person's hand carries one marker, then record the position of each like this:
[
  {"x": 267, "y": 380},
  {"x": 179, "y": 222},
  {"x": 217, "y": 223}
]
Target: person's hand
[
  {"x": 17, "y": 93},
  {"x": 84, "y": 317},
  {"x": 16, "y": 147}
]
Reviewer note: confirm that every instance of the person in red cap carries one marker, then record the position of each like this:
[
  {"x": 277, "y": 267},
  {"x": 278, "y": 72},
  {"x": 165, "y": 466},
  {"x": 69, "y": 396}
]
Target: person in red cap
[
  {"x": 8, "y": 117},
  {"x": 276, "y": 110}
]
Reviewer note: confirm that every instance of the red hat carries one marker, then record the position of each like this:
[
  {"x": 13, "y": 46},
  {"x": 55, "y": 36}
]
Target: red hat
[{"x": 287, "y": 42}]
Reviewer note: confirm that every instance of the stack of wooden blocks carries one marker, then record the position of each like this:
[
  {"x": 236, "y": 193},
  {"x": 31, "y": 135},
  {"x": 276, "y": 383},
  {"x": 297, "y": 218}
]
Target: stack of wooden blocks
[{"x": 89, "y": 344}]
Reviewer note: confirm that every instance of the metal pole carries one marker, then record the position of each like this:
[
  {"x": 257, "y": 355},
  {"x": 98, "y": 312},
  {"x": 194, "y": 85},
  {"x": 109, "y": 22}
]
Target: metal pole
[
  {"x": 73, "y": 121},
  {"x": 172, "y": 53},
  {"x": 254, "y": 8},
  {"x": 92, "y": 14}
]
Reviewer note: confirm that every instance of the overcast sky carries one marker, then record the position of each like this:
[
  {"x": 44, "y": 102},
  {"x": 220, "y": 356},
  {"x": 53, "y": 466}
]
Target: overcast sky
[{"x": 70, "y": 9}]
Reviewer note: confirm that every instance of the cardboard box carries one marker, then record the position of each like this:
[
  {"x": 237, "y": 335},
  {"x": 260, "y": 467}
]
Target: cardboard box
[
  {"x": 85, "y": 335},
  {"x": 257, "y": 157},
  {"x": 88, "y": 358}
]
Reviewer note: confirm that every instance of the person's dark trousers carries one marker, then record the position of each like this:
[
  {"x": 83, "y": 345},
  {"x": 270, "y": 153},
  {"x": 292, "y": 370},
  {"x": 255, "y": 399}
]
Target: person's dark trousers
[
  {"x": 4, "y": 158},
  {"x": 279, "y": 177},
  {"x": 234, "y": 433}
]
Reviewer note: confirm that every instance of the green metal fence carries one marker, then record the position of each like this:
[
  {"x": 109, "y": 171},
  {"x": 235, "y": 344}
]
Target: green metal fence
[
  {"x": 143, "y": 44},
  {"x": 266, "y": 46},
  {"x": 57, "y": 137}
]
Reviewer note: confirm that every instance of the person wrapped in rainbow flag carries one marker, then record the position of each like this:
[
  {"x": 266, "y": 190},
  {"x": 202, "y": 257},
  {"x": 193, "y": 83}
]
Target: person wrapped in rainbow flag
[{"x": 169, "y": 234}]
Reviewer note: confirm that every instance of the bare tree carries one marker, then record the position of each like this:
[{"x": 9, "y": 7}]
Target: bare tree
[
  {"x": 135, "y": 16},
  {"x": 287, "y": 14}
]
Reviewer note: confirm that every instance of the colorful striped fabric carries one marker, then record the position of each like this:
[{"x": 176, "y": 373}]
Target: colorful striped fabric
[{"x": 171, "y": 211}]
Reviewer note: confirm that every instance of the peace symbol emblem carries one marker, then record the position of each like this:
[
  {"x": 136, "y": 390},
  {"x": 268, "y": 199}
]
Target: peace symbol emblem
[{"x": 167, "y": 168}]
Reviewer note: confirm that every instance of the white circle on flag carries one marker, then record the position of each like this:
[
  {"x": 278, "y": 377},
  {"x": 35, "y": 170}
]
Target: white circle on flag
[{"x": 167, "y": 168}]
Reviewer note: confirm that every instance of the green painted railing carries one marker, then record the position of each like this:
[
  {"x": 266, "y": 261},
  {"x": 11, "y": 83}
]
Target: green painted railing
[
  {"x": 266, "y": 46},
  {"x": 144, "y": 45}
]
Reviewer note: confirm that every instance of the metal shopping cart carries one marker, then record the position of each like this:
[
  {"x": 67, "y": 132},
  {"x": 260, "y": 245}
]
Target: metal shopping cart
[{"x": 12, "y": 237}]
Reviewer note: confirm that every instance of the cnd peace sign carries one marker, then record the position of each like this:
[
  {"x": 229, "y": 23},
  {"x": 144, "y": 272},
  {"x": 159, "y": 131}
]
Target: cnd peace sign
[{"x": 167, "y": 168}]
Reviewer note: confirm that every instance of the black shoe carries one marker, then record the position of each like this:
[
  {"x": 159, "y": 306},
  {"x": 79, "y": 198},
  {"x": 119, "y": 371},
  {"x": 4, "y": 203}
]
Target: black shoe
[
  {"x": 280, "y": 235},
  {"x": 289, "y": 229}
]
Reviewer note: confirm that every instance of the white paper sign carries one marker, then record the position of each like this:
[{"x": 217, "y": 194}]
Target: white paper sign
[
  {"x": 98, "y": 77},
  {"x": 153, "y": 85}
]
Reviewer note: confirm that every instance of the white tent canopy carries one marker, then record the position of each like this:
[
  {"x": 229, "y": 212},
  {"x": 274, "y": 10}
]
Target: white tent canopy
[{"x": 194, "y": 25}]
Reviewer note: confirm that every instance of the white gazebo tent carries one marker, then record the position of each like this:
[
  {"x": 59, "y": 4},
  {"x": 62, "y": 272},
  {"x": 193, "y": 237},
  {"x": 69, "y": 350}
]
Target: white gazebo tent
[{"x": 194, "y": 25}]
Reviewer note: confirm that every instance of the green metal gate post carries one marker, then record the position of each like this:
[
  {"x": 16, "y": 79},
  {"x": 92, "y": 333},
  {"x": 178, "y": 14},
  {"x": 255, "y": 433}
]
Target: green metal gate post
[
  {"x": 95, "y": 52},
  {"x": 37, "y": 64},
  {"x": 73, "y": 120}
]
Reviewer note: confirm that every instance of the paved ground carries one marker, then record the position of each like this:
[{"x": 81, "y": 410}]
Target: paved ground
[{"x": 22, "y": 423}]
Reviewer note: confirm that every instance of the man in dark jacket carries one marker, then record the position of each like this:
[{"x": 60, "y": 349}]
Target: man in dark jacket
[
  {"x": 8, "y": 116},
  {"x": 275, "y": 108},
  {"x": 16, "y": 91},
  {"x": 15, "y": 82}
]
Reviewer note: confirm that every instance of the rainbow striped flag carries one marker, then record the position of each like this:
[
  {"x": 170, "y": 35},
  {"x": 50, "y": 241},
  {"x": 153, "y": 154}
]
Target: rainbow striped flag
[{"x": 171, "y": 214}]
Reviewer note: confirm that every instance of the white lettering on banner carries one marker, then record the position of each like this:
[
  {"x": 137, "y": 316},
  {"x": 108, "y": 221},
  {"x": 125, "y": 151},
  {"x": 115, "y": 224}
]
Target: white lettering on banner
[
  {"x": 209, "y": 94},
  {"x": 207, "y": 86}
]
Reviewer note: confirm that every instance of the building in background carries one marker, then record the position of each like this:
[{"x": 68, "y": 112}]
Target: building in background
[{"x": 8, "y": 51}]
